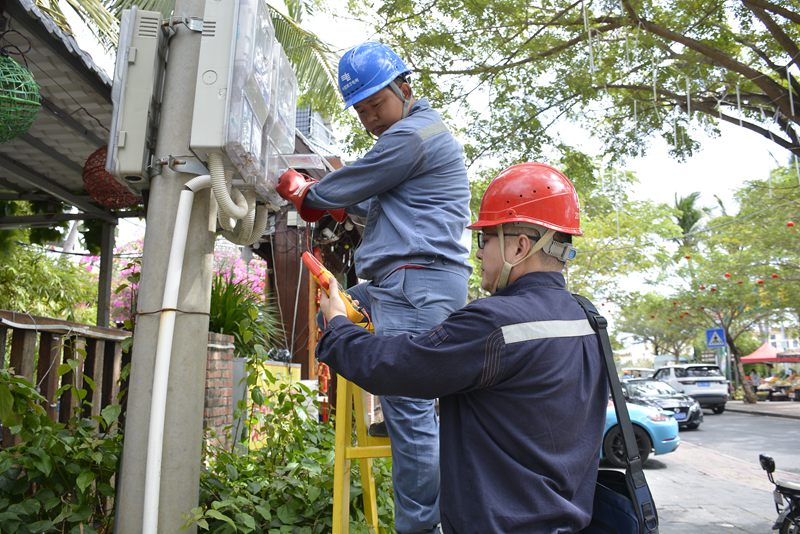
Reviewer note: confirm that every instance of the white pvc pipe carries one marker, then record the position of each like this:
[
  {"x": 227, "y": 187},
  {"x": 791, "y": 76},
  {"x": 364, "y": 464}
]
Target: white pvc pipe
[{"x": 166, "y": 331}]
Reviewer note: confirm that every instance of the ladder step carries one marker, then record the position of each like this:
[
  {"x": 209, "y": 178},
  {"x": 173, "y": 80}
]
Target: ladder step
[{"x": 378, "y": 451}]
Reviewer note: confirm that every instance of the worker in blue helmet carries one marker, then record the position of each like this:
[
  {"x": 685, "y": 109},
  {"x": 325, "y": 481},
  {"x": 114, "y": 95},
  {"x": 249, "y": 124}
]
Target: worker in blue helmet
[{"x": 412, "y": 193}]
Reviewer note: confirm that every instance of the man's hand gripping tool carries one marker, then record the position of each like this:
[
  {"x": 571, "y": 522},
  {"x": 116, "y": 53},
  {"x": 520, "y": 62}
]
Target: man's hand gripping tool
[{"x": 357, "y": 314}]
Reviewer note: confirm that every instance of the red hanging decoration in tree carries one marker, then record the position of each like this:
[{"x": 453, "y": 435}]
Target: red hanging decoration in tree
[
  {"x": 727, "y": 275},
  {"x": 102, "y": 186},
  {"x": 775, "y": 275},
  {"x": 760, "y": 282},
  {"x": 790, "y": 224}
]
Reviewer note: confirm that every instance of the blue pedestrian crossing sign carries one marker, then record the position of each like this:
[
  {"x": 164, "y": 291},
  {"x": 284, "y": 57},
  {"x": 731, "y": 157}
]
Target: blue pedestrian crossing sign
[{"x": 715, "y": 338}]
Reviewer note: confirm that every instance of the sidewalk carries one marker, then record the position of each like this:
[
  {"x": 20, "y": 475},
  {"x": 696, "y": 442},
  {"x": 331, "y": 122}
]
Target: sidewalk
[{"x": 790, "y": 409}]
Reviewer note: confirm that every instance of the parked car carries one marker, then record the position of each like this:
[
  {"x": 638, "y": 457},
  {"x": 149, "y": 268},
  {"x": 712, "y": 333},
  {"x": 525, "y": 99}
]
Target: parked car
[
  {"x": 685, "y": 409},
  {"x": 637, "y": 372},
  {"x": 656, "y": 431},
  {"x": 703, "y": 382}
]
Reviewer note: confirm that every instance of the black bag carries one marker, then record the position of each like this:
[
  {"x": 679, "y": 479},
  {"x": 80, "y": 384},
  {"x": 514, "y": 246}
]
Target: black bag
[{"x": 623, "y": 503}]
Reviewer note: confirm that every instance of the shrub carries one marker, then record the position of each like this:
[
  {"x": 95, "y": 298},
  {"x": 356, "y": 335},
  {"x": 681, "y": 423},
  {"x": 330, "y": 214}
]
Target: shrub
[
  {"x": 58, "y": 478},
  {"x": 237, "y": 310},
  {"x": 286, "y": 485},
  {"x": 34, "y": 282}
]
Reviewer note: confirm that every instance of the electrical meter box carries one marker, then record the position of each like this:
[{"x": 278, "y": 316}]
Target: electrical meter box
[
  {"x": 235, "y": 106},
  {"x": 285, "y": 115},
  {"x": 136, "y": 97}
]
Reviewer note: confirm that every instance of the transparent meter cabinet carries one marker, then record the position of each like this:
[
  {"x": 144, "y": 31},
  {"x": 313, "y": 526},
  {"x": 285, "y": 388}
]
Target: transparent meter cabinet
[
  {"x": 235, "y": 106},
  {"x": 252, "y": 89},
  {"x": 285, "y": 82}
]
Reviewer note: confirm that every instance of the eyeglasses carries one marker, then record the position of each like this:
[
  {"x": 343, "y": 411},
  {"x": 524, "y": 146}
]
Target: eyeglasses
[{"x": 482, "y": 238}]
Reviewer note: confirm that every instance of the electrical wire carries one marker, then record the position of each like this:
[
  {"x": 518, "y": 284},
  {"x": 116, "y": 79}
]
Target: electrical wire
[{"x": 277, "y": 288}]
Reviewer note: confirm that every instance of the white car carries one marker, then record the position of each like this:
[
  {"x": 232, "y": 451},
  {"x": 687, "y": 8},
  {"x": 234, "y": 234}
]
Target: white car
[{"x": 705, "y": 383}]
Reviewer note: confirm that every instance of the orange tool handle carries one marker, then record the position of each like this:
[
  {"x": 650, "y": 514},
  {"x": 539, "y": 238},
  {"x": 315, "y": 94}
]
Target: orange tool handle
[
  {"x": 355, "y": 313},
  {"x": 318, "y": 271}
]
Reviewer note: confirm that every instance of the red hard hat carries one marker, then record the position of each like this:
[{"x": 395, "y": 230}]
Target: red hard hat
[{"x": 532, "y": 193}]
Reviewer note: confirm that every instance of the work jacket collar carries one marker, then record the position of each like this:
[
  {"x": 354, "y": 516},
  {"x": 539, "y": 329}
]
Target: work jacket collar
[{"x": 537, "y": 279}]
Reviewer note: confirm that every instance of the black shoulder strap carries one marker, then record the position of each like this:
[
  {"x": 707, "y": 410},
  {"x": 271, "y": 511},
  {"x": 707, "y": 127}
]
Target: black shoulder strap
[{"x": 637, "y": 483}]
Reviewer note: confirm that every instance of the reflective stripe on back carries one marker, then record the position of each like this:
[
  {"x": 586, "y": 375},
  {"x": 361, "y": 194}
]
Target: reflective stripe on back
[{"x": 516, "y": 333}]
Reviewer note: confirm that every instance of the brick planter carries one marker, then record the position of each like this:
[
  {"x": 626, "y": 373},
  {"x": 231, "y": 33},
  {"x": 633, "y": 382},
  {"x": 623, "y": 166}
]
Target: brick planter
[{"x": 218, "y": 409}]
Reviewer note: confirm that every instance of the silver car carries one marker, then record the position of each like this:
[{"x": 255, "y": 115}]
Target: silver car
[{"x": 704, "y": 382}]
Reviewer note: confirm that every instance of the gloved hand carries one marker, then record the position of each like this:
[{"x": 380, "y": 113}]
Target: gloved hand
[
  {"x": 339, "y": 215},
  {"x": 294, "y": 187}
]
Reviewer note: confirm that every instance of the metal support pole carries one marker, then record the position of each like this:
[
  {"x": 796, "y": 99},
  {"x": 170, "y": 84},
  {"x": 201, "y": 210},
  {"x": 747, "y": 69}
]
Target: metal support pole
[
  {"x": 106, "y": 271},
  {"x": 180, "y": 469}
]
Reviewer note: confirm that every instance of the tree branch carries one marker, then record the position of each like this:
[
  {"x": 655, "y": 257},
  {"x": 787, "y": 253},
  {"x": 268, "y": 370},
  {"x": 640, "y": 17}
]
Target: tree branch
[
  {"x": 712, "y": 108},
  {"x": 486, "y": 69},
  {"x": 777, "y": 32},
  {"x": 778, "y": 10},
  {"x": 775, "y": 91}
]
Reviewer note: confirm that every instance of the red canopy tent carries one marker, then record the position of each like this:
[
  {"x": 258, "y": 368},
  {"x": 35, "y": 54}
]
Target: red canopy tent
[{"x": 766, "y": 353}]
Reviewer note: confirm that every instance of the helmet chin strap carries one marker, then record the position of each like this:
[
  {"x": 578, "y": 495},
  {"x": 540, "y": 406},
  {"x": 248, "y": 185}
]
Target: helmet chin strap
[
  {"x": 502, "y": 278},
  {"x": 406, "y": 101}
]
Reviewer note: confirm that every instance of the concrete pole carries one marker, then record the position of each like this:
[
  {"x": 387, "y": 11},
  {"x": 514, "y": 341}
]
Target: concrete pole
[{"x": 180, "y": 471}]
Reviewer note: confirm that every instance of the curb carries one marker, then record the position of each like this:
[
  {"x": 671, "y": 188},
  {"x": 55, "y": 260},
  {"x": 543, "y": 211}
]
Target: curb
[{"x": 761, "y": 412}]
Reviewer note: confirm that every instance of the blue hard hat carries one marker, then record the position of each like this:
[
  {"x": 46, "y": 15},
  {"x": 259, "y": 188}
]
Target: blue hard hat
[{"x": 366, "y": 69}]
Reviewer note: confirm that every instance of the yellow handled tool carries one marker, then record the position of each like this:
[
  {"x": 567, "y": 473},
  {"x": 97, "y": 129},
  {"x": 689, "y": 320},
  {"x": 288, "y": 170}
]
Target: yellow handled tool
[{"x": 355, "y": 313}]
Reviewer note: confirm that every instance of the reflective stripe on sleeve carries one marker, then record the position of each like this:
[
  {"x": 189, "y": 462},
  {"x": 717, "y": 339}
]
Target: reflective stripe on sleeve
[{"x": 516, "y": 333}]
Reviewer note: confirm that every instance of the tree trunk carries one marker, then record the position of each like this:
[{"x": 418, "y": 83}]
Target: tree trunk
[{"x": 749, "y": 394}]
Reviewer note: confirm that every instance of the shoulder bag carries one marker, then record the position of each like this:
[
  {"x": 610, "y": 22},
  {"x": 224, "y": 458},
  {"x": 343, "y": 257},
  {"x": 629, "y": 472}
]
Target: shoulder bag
[{"x": 623, "y": 503}]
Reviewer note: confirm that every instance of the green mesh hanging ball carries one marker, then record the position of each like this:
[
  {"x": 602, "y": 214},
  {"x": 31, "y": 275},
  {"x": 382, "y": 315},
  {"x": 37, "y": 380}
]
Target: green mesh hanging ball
[{"x": 19, "y": 99}]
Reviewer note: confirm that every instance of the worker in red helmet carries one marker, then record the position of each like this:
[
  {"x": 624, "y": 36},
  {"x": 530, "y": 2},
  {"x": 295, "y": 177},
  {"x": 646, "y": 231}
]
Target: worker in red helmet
[{"x": 519, "y": 374}]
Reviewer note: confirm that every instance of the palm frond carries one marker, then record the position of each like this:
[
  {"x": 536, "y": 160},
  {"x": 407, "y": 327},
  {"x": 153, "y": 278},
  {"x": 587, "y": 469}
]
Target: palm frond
[
  {"x": 53, "y": 10},
  {"x": 314, "y": 63},
  {"x": 92, "y": 12},
  {"x": 99, "y": 20},
  {"x": 165, "y": 7}
]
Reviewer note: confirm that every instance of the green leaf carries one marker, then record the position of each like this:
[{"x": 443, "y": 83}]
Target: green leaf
[
  {"x": 40, "y": 526},
  {"x": 222, "y": 517},
  {"x": 286, "y": 515},
  {"x": 233, "y": 474},
  {"x": 42, "y": 460},
  {"x": 246, "y": 520},
  {"x": 111, "y": 413},
  {"x": 84, "y": 480},
  {"x": 6, "y": 404},
  {"x": 264, "y": 512},
  {"x": 89, "y": 381}
]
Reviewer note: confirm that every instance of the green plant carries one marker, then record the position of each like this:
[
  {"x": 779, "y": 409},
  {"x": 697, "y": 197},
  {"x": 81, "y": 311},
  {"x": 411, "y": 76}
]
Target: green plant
[
  {"x": 286, "y": 486},
  {"x": 34, "y": 282},
  {"x": 237, "y": 310},
  {"x": 58, "y": 478}
]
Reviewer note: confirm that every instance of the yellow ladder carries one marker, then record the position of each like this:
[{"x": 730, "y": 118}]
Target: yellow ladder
[{"x": 365, "y": 447}]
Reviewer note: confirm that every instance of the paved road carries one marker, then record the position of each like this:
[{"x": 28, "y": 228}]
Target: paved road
[{"x": 713, "y": 484}]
